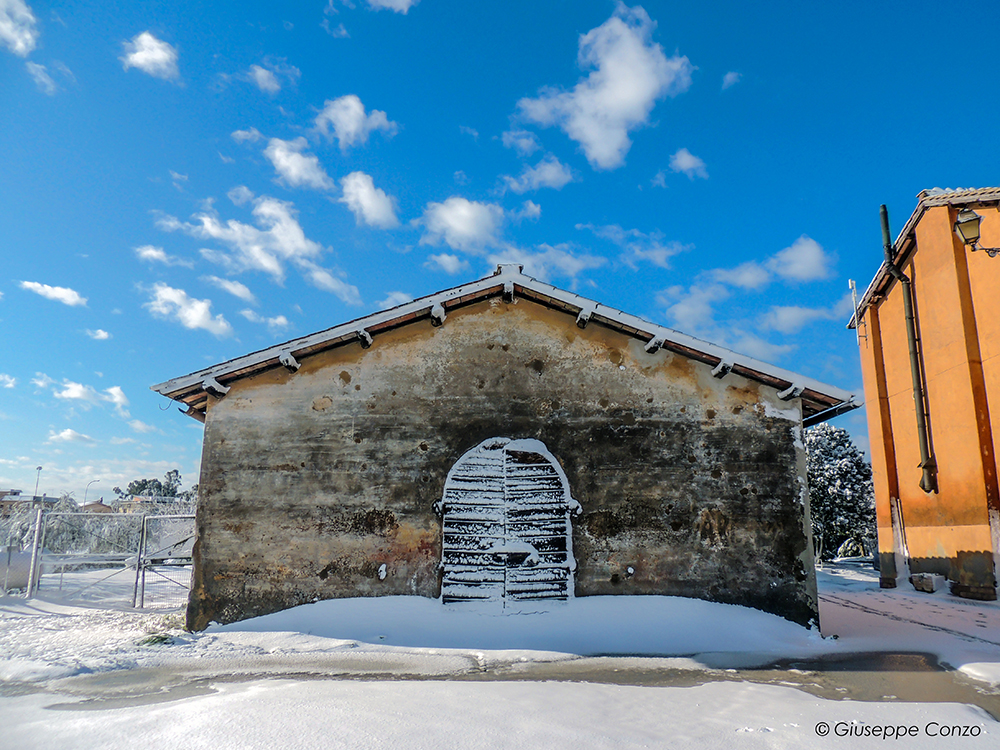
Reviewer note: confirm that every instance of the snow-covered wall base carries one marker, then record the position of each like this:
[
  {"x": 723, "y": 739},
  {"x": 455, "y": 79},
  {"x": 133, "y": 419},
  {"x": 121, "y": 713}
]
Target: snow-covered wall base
[{"x": 325, "y": 482}]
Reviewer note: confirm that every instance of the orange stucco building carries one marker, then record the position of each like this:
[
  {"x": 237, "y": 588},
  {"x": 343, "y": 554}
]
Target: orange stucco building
[{"x": 932, "y": 389}]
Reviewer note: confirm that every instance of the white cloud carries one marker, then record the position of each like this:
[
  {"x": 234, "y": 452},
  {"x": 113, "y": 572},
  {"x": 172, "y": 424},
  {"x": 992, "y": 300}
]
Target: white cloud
[
  {"x": 235, "y": 288},
  {"x": 450, "y": 264},
  {"x": 17, "y": 27},
  {"x": 804, "y": 260},
  {"x": 268, "y": 77},
  {"x": 630, "y": 73},
  {"x": 757, "y": 347},
  {"x": 295, "y": 168},
  {"x": 529, "y": 210},
  {"x": 77, "y": 392},
  {"x": 59, "y": 293},
  {"x": 793, "y": 318},
  {"x": 638, "y": 246},
  {"x": 368, "y": 204},
  {"x": 351, "y": 126},
  {"x": 168, "y": 302},
  {"x": 138, "y": 426},
  {"x": 323, "y": 279},
  {"x": 242, "y": 136},
  {"x": 41, "y": 77},
  {"x": 731, "y": 79},
  {"x": 394, "y": 299},
  {"x": 69, "y": 390},
  {"x": 338, "y": 33},
  {"x": 264, "y": 79},
  {"x": 7, "y": 381},
  {"x": 99, "y": 335},
  {"x": 69, "y": 436},
  {"x": 461, "y": 177},
  {"x": 152, "y": 56},
  {"x": 523, "y": 141},
  {"x": 240, "y": 194},
  {"x": 686, "y": 162},
  {"x": 461, "y": 224},
  {"x": 116, "y": 396},
  {"x": 548, "y": 261},
  {"x": 466, "y": 130},
  {"x": 400, "y": 6},
  {"x": 42, "y": 380},
  {"x": 278, "y": 323},
  {"x": 692, "y": 310},
  {"x": 659, "y": 179},
  {"x": 549, "y": 172},
  {"x": 63, "y": 69},
  {"x": 277, "y": 238},
  {"x": 154, "y": 254},
  {"x": 749, "y": 275}
]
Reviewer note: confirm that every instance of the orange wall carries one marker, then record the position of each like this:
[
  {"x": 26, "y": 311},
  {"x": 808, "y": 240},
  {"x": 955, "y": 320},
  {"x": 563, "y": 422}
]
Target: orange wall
[{"x": 957, "y": 304}]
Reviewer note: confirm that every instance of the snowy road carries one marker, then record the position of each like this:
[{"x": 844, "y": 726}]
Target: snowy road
[{"x": 85, "y": 677}]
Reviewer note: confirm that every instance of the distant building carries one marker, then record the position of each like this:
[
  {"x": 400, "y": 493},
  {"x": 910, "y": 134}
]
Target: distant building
[
  {"x": 502, "y": 440},
  {"x": 933, "y": 397},
  {"x": 13, "y": 501},
  {"x": 97, "y": 507}
]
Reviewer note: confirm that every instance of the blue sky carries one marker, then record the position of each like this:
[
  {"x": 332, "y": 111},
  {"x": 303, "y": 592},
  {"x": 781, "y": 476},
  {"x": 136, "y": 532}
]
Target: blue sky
[{"x": 182, "y": 183}]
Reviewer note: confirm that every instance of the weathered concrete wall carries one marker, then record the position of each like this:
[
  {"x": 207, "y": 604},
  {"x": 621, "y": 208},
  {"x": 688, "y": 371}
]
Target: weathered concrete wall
[{"x": 312, "y": 481}]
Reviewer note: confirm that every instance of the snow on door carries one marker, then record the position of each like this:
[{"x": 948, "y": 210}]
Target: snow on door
[{"x": 506, "y": 525}]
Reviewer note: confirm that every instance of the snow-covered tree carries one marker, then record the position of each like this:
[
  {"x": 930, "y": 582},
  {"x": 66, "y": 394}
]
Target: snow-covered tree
[{"x": 841, "y": 496}]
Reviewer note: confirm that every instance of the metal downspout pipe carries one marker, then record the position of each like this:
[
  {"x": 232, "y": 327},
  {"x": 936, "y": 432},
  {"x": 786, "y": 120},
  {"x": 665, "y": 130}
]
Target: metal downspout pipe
[{"x": 928, "y": 482}]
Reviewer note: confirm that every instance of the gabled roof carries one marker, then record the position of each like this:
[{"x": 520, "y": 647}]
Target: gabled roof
[
  {"x": 905, "y": 243},
  {"x": 819, "y": 401}
]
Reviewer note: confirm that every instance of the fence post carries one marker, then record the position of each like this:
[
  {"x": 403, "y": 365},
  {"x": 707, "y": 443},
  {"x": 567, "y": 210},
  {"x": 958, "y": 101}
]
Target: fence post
[
  {"x": 35, "y": 545},
  {"x": 140, "y": 566}
]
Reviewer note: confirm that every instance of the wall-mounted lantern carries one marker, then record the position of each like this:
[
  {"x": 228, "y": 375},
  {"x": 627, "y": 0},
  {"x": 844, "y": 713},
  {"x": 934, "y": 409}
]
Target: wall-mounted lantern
[{"x": 967, "y": 229}]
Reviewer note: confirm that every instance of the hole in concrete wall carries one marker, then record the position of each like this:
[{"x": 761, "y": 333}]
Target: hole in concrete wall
[
  {"x": 506, "y": 525},
  {"x": 537, "y": 365},
  {"x": 345, "y": 377},
  {"x": 423, "y": 446},
  {"x": 710, "y": 413}
]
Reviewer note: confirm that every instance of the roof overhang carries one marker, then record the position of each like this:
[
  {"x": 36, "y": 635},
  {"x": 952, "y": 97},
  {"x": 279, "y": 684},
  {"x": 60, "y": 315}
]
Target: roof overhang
[
  {"x": 819, "y": 401},
  {"x": 906, "y": 243}
]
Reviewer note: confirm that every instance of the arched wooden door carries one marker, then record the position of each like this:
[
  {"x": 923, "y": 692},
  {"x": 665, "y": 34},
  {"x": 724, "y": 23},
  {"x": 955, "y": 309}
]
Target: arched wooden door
[{"x": 506, "y": 522}]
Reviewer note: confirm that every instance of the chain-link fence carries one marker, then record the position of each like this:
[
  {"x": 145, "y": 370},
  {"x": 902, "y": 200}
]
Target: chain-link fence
[{"x": 115, "y": 559}]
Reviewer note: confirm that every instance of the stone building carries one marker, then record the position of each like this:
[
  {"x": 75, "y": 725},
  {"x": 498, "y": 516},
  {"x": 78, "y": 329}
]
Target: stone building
[{"x": 502, "y": 440}]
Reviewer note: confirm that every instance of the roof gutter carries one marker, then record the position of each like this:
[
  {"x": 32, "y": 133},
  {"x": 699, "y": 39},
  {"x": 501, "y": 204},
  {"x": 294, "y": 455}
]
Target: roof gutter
[{"x": 928, "y": 482}]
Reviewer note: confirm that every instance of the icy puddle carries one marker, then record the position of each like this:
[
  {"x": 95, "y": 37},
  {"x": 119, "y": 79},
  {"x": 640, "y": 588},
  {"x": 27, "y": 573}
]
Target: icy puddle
[{"x": 873, "y": 677}]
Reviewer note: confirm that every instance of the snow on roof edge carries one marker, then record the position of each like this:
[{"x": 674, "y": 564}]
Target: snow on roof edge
[{"x": 505, "y": 274}]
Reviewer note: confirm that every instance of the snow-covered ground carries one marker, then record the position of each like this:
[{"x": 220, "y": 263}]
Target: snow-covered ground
[{"x": 407, "y": 672}]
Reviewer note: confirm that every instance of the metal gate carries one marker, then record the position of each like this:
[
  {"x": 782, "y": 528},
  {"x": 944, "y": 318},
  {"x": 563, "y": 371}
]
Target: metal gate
[{"x": 506, "y": 525}]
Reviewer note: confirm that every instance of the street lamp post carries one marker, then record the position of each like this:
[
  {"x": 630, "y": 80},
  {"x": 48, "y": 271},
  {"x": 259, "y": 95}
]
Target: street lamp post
[
  {"x": 88, "y": 489},
  {"x": 38, "y": 474}
]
